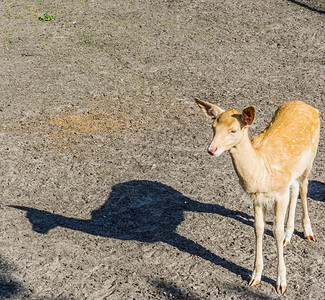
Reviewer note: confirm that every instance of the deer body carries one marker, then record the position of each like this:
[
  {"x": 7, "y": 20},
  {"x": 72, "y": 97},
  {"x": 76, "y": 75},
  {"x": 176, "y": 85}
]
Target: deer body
[{"x": 272, "y": 167}]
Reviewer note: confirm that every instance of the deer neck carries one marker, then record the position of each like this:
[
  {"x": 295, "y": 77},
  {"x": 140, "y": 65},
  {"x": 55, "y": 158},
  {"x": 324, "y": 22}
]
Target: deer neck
[{"x": 248, "y": 165}]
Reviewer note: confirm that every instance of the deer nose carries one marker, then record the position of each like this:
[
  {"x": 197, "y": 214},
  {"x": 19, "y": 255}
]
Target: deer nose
[{"x": 212, "y": 151}]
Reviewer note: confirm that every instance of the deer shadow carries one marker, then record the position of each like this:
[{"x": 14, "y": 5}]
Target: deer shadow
[
  {"x": 309, "y": 7},
  {"x": 316, "y": 190},
  {"x": 8, "y": 288},
  {"x": 144, "y": 211}
]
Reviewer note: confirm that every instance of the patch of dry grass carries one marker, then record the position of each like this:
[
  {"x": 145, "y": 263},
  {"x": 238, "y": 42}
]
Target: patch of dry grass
[
  {"x": 69, "y": 130},
  {"x": 89, "y": 124}
]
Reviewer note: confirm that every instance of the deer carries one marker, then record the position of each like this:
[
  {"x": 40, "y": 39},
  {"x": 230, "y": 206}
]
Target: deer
[{"x": 272, "y": 168}]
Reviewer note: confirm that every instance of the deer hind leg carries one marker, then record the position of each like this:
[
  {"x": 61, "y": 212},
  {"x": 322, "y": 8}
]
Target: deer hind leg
[
  {"x": 294, "y": 192},
  {"x": 305, "y": 219}
]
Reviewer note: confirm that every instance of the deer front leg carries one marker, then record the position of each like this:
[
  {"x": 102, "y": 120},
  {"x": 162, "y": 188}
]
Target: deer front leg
[
  {"x": 279, "y": 216},
  {"x": 259, "y": 231}
]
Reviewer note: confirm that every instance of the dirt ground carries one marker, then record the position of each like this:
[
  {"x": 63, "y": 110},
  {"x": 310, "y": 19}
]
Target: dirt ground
[{"x": 107, "y": 189}]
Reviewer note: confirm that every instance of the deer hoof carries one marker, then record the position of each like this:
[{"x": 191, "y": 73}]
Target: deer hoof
[
  {"x": 282, "y": 289},
  {"x": 311, "y": 238},
  {"x": 253, "y": 282},
  {"x": 286, "y": 243}
]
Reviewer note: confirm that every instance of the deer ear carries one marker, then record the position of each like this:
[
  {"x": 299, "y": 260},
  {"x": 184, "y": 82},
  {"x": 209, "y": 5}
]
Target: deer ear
[
  {"x": 209, "y": 110},
  {"x": 248, "y": 115}
]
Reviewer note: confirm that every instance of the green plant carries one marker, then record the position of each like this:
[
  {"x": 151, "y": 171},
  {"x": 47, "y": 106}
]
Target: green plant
[{"x": 47, "y": 17}]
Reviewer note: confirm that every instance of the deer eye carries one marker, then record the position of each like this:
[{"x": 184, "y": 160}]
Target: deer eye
[{"x": 233, "y": 131}]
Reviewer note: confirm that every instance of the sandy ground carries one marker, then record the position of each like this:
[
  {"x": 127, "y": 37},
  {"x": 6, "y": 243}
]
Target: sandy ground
[{"x": 107, "y": 189}]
